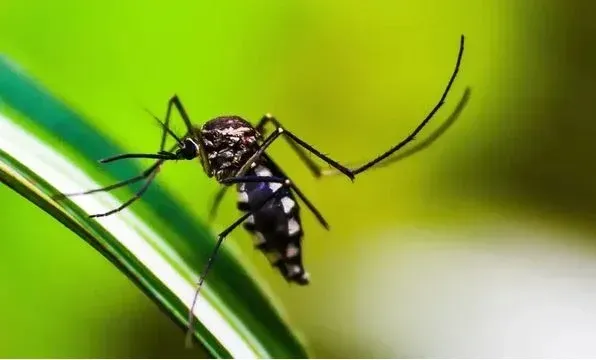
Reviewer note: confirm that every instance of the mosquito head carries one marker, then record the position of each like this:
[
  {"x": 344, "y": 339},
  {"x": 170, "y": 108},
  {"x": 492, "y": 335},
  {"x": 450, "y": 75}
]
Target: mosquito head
[
  {"x": 189, "y": 149},
  {"x": 228, "y": 141}
]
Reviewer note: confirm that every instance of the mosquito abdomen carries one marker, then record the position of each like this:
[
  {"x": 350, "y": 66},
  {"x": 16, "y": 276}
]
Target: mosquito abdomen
[{"x": 276, "y": 227}]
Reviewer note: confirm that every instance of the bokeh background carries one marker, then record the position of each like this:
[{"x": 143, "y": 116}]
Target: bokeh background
[{"x": 481, "y": 246}]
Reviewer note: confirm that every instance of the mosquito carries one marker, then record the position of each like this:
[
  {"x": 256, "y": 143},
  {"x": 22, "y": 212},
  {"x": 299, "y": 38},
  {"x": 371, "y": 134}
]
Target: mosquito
[{"x": 233, "y": 151}]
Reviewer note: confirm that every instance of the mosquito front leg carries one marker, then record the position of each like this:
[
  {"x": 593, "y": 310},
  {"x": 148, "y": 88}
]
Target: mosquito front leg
[
  {"x": 136, "y": 197},
  {"x": 147, "y": 175},
  {"x": 191, "y": 131},
  {"x": 117, "y": 185}
]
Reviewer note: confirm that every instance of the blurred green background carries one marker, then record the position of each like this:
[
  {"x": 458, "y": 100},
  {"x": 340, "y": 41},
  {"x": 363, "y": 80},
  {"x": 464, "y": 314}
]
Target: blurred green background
[{"x": 480, "y": 246}]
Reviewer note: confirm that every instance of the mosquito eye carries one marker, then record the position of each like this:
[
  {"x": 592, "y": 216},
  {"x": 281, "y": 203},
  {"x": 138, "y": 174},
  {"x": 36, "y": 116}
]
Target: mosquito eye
[{"x": 190, "y": 149}]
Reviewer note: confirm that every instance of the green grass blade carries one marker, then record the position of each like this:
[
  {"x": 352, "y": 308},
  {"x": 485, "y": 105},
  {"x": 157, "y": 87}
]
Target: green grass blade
[{"x": 160, "y": 252}]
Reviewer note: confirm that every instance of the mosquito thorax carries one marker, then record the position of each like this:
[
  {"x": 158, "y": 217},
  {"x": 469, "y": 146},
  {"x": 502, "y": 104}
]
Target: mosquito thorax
[{"x": 229, "y": 141}]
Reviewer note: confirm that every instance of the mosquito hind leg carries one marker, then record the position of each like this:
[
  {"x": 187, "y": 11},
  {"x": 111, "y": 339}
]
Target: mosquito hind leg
[
  {"x": 428, "y": 141},
  {"x": 351, "y": 173},
  {"x": 424, "y": 122}
]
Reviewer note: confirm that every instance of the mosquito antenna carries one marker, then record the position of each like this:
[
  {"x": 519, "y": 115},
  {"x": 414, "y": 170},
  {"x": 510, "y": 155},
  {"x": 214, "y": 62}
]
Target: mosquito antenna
[{"x": 165, "y": 128}]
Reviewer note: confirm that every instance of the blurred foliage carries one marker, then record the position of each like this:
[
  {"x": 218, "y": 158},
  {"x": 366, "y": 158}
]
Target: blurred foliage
[{"x": 351, "y": 78}]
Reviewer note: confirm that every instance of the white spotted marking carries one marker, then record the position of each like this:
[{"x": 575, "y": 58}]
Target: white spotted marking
[
  {"x": 234, "y": 131},
  {"x": 293, "y": 270},
  {"x": 263, "y": 171},
  {"x": 250, "y": 220},
  {"x": 293, "y": 227},
  {"x": 226, "y": 154},
  {"x": 292, "y": 251},
  {"x": 242, "y": 197},
  {"x": 274, "y": 186},
  {"x": 287, "y": 203}
]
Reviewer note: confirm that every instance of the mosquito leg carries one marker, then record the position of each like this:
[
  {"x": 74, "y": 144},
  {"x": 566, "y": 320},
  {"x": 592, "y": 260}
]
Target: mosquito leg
[
  {"x": 246, "y": 179},
  {"x": 423, "y": 144},
  {"x": 220, "y": 238},
  {"x": 249, "y": 163},
  {"x": 261, "y": 152},
  {"x": 161, "y": 156},
  {"x": 240, "y": 172},
  {"x": 311, "y": 207},
  {"x": 253, "y": 179},
  {"x": 236, "y": 180},
  {"x": 133, "y": 180},
  {"x": 281, "y": 131},
  {"x": 161, "y": 153},
  {"x": 243, "y": 169},
  {"x": 413, "y": 134},
  {"x": 175, "y": 102},
  {"x": 216, "y": 202},
  {"x": 144, "y": 175},
  {"x": 191, "y": 131},
  {"x": 301, "y": 195},
  {"x": 310, "y": 164},
  {"x": 344, "y": 170},
  {"x": 221, "y": 192},
  {"x": 352, "y": 173},
  {"x": 136, "y": 197}
]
